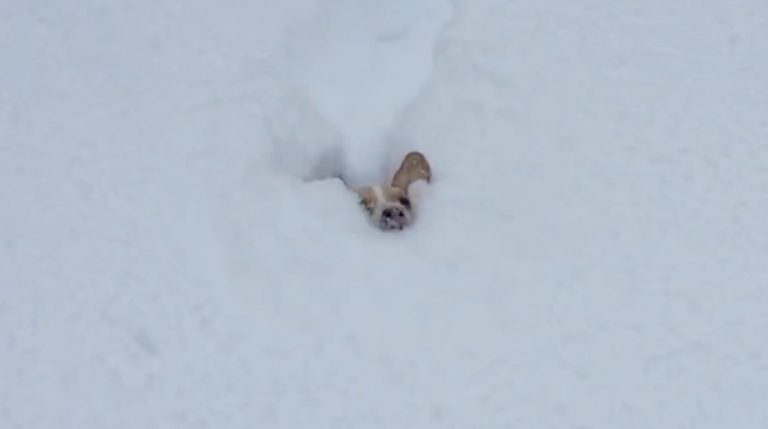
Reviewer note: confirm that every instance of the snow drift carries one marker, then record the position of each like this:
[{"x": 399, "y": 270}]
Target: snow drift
[{"x": 174, "y": 251}]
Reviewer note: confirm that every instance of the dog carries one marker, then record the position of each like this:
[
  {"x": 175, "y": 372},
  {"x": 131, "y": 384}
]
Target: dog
[{"x": 389, "y": 207}]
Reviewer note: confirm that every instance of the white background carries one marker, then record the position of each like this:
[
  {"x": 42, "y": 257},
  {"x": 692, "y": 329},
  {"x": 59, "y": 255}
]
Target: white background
[{"x": 592, "y": 253}]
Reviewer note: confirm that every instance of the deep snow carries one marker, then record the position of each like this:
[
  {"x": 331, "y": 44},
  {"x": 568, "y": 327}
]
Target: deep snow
[{"x": 175, "y": 253}]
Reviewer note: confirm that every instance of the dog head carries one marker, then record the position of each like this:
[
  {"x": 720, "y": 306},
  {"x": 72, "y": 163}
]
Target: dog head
[{"x": 389, "y": 207}]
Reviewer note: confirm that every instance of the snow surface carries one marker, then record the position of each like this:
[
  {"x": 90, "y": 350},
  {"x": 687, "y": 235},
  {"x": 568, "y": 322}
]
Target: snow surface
[{"x": 174, "y": 253}]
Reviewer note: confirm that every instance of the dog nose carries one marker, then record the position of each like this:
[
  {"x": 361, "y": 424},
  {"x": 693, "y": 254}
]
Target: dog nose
[{"x": 387, "y": 213}]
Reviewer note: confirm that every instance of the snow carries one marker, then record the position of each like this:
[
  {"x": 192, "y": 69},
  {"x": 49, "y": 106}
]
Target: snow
[{"x": 174, "y": 251}]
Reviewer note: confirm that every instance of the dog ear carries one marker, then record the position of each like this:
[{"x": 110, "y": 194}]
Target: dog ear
[
  {"x": 414, "y": 167},
  {"x": 367, "y": 199}
]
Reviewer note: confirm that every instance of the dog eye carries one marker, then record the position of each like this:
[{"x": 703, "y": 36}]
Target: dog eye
[{"x": 405, "y": 202}]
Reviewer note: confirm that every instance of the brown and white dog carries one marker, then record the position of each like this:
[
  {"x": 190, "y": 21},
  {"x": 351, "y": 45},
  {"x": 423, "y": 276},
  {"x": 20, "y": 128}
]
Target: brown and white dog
[{"x": 389, "y": 206}]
